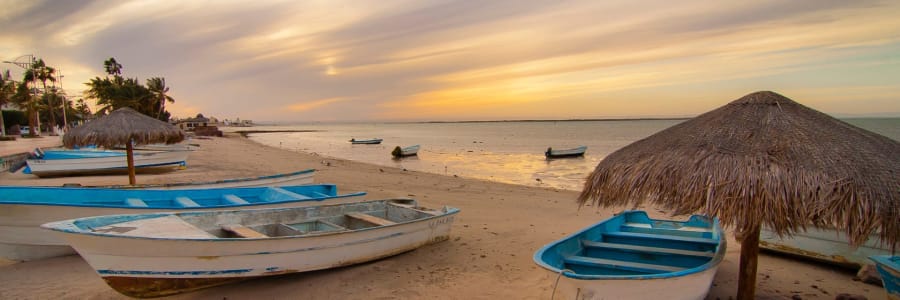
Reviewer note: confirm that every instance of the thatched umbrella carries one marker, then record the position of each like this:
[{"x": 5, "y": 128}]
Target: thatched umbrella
[
  {"x": 761, "y": 160},
  {"x": 123, "y": 126}
]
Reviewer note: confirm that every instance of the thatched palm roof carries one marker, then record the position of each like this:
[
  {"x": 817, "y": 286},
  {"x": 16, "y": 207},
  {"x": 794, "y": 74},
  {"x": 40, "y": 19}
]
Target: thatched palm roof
[
  {"x": 120, "y": 128},
  {"x": 762, "y": 159}
]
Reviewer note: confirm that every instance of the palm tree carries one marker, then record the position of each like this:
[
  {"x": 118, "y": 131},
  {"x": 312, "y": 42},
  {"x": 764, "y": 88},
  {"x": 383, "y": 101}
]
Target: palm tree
[
  {"x": 44, "y": 73},
  {"x": 112, "y": 67},
  {"x": 158, "y": 90},
  {"x": 7, "y": 89},
  {"x": 23, "y": 98}
]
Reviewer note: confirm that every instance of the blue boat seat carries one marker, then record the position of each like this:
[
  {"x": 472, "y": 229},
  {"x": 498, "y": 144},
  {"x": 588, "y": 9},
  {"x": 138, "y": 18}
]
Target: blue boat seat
[
  {"x": 186, "y": 202},
  {"x": 706, "y": 241},
  {"x": 616, "y": 264},
  {"x": 637, "y": 248},
  {"x": 274, "y": 194},
  {"x": 234, "y": 199},
  {"x": 135, "y": 202}
]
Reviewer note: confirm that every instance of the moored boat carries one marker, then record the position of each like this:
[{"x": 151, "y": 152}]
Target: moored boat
[
  {"x": 574, "y": 152},
  {"x": 24, "y": 209},
  {"x": 368, "y": 142},
  {"x": 631, "y": 256},
  {"x": 889, "y": 268},
  {"x": 824, "y": 244},
  {"x": 150, "y": 255},
  {"x": 405, "y": 151},
  {"x": 78, "y": 162},
  {"x": 283, "y": 179}
]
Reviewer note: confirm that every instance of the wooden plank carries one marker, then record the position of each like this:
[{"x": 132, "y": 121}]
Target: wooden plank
[
  {"x": 591, "y": 261},
  {"x": 186, "y": 202},
  {"x": 234, "y": 199},
  {"x": 135, "y": 202},
  {"x": 241, "y": 231},
  {"x": 637, "y": 248},
  {"x": 371, "y": 219}
]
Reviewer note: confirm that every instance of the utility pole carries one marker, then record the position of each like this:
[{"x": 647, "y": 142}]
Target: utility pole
[{"x": 65, "y": 103}]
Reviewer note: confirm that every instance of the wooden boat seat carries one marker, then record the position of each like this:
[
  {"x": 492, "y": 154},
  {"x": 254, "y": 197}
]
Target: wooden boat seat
[
  {"x": 683, "y": 231},
  {"x": 186, "y": 202},
  {"x": 371, "y": 219},
  {"x": 234, "y": 199},
  {"x": 241, "y": 231},
  {"x": 705, "y": 241},
  {"x": 135, "y": 202},
  {"x": 616, "y": 264},
  {"x": 636, "y": 248}
]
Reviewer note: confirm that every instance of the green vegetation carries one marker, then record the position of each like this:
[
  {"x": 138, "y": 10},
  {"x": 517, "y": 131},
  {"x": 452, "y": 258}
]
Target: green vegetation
[{"x": 115, "y": 91}]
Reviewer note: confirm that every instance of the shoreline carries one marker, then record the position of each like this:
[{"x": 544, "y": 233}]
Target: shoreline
[{"x": 489, "y": 253}]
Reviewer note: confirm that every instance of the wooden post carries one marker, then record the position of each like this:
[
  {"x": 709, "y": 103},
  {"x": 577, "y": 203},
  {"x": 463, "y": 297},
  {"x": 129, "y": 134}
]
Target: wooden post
[
  {"x": 129, "y": 149},
  {"x": 749, "y": 259}
]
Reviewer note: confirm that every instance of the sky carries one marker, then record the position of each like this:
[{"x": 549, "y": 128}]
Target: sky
[{"x": 421, "y": 60}]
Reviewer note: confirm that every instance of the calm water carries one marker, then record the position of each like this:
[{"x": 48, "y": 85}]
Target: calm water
[{"x": 510, "y": 152}]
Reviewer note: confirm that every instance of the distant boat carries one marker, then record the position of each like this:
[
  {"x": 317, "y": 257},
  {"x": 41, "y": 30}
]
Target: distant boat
[
  {"x": 405, "y": 151},
  {"x": 631, "y": 256},
  {"x": 24, "y": 209},
  {"x": 824, "y": 244},
  {"x": 574, "y": 152},
  {"x": 283, "y": 179},
  {"x": 369, "y": 141},
  {"x": 81, "y": 162},
  {"x": 158, "y": 254},
  {"x": 889, "y": 268}
]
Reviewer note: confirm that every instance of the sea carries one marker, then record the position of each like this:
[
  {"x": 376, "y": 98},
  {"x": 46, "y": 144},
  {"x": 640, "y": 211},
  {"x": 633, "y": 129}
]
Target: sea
[{"x": 502, "y": 151}]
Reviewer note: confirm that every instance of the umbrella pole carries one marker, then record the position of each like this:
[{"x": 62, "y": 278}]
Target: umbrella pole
[
  {"x": 130, "y": 151},
  {"x": 749, "y": 259}
]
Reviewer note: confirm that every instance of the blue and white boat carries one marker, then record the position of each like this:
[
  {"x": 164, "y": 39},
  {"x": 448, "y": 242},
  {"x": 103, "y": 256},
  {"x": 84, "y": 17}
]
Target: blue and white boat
[
  {"x": 282, "y": 179},
  {"x": 631, "y": 256},
  {"x": 158, "y": 254},
  {"x": 561, "y": 153},
  {"x": 78, "y": 162},
  {"x": 368, "y": 142},
  {"x": 405, "y": 151},
  {"x": 24, "y": 209},
  {"x": 889, "y": 268}
]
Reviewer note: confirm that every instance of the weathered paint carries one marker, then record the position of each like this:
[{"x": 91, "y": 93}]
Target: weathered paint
[
  {"x": 824, "y": 244},
  {"x": 149, "y": 287}
]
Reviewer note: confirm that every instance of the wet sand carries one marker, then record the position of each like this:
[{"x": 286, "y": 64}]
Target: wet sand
[{"x": 489, "y": 254}]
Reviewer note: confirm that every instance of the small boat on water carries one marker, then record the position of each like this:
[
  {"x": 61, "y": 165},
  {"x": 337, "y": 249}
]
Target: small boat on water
[
  {"x": 574, "y": 152},
  {"x": 889, "y": 268},
  {"x": 631, "y": 256},
  {"x": 405, "y": 151},
  {"x": 825, "y": 245},
  {"x": 24, "y": 209},
  {"x": 367, "y": 142},
  {"x": 282, "y": 179},
  {"x": 80, "y": 162},
  {"x": 158, "y": 254}
]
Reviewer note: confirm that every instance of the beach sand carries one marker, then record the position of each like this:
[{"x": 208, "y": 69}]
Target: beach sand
[{"x": 488, "y": 256}]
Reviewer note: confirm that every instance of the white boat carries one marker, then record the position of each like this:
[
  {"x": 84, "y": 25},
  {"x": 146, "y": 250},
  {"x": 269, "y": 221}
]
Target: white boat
[
  {"x": 366, "y": 142},
  {"x": 93, "y": 163},
  {"x": 405, "y": 151},
  {"x": 151, "y": 255},
  {"x": 283, "y": 179},
  {"x": 824, "y": 244},
  {"x": 23, "y": 209},
  {"x": 631, "y": 256},
  {"x": 574, "y": 152}
]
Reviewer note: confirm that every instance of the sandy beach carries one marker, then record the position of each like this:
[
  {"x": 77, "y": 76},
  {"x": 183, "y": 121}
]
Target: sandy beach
[{"x": 489, "y": 254}]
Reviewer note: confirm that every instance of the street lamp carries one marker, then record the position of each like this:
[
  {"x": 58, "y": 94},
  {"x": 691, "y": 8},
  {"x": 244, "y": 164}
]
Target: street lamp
[{"x": 29, "y": 66}]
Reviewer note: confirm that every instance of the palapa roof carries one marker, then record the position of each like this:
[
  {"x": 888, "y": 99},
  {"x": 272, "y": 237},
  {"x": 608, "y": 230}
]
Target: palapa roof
[
  {"x": 766, "y": 160},
  {"x": 121, "y": 127}
]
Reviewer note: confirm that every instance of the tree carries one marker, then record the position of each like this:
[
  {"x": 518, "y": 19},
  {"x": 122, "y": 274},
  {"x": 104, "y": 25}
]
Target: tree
[
  {"x": 112, "y": 67},
  {"x": 23, "y": 98},
  {"x": 45, "y": 73},
  {"x": 158, "y": 90},
  {"x": 7, "y": 89}
]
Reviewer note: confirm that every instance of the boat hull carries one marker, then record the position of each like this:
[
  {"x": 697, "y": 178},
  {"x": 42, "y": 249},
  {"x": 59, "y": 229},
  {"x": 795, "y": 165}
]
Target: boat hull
[
  {"x": 152, "y": 267},
  {"x": 284, "y": 179},
  {"x": 889, "y": 268},
  {"x": 689, "y": 287},
  {"x": 824, "y": 244},
  {"x": 144, "y": 161},
  {"x": 22, "y": 239},
  {"x": 574, "y": 152}
]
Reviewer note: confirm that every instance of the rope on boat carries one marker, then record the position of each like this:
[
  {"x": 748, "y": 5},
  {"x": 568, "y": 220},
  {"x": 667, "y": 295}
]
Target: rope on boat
[{"x": 552, "y": 295}]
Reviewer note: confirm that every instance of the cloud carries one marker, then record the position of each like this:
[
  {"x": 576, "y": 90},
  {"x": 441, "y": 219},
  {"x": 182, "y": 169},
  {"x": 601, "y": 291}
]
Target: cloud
[{"x": 311, "y": 105}]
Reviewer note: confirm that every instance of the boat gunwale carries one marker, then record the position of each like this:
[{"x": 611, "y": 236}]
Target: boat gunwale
[
  {"x": 718, "y": 258},
  {"x": 69, "y": 226}
]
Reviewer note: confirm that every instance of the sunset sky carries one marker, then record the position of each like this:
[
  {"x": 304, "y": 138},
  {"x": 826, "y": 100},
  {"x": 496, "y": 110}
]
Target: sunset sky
[{"x": 298, "y": 61}]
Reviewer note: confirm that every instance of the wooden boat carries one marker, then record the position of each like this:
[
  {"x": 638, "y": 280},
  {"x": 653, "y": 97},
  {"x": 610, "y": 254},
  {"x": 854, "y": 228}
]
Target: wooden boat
[
  {"x": 631, "y": 256},
  {"x": 405, "y": 151},
  {"x": 98, "y": 162},
  {"x": 368, "y": 142},
  {"x": 889, "y": 268},
  {"x": 150, "y": 255},
  {"x": 824, "y": 244},
  {"x": 283, "y": 179},
  {"x": 574, "y": 152},
  {"x": 24, "y": 209}
]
